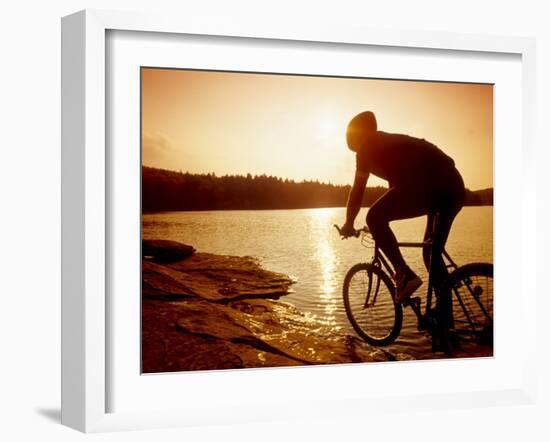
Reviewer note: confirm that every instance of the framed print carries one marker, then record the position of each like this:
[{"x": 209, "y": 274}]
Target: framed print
[{"x": 204, "y": 169}]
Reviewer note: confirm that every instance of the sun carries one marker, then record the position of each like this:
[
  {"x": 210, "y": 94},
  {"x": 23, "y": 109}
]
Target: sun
[{"x": 329, "y": 128}]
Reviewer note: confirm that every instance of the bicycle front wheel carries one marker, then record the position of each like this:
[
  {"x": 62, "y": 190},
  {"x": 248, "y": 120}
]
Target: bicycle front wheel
[
  {"x": 370, "y": 304},
  {"x": 472, "y": 287}
]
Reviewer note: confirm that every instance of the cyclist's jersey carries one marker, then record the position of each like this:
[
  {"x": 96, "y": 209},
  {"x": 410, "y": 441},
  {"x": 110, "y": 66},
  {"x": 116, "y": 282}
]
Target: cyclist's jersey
[{"x": 402, "y": 159}]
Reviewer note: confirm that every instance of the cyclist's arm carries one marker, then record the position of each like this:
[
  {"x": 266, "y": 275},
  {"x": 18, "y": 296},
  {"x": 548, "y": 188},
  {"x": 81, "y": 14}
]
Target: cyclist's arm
[{"x": 355, "y": 197}]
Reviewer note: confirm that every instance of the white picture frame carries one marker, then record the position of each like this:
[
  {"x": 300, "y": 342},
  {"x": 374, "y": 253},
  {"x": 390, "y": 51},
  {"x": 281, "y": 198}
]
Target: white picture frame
[{"x": 86, "y": 356}]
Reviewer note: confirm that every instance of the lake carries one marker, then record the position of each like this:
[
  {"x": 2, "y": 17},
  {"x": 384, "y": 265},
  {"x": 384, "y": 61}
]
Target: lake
[{"x": 304, "y": 244}]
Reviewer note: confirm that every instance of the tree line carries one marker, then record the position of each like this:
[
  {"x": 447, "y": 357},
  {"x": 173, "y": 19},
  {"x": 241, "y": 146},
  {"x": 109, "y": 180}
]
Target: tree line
[{"x": 165, "y": 190}]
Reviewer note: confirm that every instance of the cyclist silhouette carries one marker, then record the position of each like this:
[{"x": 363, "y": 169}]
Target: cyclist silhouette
[{"x": 422, "y": 181}]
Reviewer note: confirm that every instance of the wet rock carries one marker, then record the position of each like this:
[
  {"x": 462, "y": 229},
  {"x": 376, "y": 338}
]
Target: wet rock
[
  {"x": 213, "y": 277},
  {"x": 164, "y": 251},
  {"x": 274, "y": 327},
  {"x": 161, "y": 283},
  {"x": 166, "y": 348}
]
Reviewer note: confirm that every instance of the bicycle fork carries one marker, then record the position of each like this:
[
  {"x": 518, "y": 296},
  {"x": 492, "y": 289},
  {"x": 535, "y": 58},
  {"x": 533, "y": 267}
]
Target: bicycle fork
[{"x": 369, "y": 287}]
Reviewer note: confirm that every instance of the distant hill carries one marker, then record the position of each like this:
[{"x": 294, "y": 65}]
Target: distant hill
[{"x": 165, "y": 190}]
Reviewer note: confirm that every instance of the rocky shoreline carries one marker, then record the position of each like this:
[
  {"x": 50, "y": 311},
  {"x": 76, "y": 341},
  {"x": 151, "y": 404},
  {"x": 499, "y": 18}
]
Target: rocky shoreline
[{"x": 202, "y": 311}]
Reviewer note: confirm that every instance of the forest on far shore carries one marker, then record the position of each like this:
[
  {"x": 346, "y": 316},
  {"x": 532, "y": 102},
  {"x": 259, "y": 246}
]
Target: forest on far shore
[{"x": 165, "y": 190}]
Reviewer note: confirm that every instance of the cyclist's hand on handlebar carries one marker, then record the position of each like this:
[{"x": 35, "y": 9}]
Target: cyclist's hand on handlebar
[{"x": 346, "y": 231}]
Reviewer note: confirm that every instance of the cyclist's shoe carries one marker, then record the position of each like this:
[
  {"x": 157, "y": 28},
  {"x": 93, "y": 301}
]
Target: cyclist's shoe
[{"x": 406, "y": 284}]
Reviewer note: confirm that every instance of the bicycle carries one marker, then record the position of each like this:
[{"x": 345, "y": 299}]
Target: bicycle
[{"x": 369, "y": 299}]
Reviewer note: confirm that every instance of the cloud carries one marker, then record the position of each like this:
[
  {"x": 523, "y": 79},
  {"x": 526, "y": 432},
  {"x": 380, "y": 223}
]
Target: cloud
[{"x": 156, "y": 149}]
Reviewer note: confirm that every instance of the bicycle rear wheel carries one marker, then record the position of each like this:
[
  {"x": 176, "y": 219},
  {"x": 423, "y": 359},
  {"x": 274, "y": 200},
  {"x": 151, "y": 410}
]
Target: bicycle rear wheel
[
  {"x": 472, "y": 287},
  {"x": 370, "y": 304}
]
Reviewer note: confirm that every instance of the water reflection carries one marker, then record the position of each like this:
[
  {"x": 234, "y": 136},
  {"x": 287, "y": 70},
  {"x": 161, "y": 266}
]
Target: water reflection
[{"x": 321, "y": 233}]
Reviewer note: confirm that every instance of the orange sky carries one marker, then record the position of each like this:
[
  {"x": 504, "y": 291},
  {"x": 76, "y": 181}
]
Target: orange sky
[{"x": 294, "y": 126}]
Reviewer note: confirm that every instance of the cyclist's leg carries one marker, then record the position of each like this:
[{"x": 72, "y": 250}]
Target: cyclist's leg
[
  {"x": 449, "y": 205},
  {"x": 400, "y": 202},
  {"x": 439, "y": 234},
  {"x": 427, "y": 250}
]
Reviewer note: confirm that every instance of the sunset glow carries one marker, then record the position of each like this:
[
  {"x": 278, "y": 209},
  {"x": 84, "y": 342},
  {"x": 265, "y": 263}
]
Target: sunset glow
[{"x": 294, "y": 126}]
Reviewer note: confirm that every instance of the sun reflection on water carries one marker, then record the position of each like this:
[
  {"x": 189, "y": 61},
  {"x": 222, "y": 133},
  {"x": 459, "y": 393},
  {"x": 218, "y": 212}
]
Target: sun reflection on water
[{"x": 324, "y": 254}]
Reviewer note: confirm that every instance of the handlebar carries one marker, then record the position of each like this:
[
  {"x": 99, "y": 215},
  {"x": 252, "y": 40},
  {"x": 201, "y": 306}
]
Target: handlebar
[{"x": 356, "y": 232}]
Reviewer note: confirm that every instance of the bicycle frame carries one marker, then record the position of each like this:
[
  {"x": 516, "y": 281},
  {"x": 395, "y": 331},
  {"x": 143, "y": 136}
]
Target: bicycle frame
[{"x": 380, "y": 260}]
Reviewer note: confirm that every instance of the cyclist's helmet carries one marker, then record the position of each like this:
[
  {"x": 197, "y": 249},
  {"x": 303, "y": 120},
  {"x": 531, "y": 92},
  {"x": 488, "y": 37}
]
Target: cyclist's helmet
[{"x": 360, "y": 127}]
